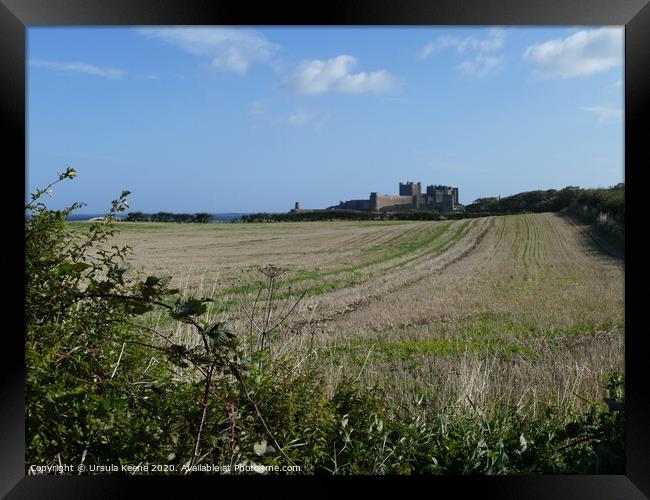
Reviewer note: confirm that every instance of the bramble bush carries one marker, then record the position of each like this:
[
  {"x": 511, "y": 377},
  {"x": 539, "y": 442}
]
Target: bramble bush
[
  {"x": 84, "y": 400},
  {"x": 104, "y": 388}
]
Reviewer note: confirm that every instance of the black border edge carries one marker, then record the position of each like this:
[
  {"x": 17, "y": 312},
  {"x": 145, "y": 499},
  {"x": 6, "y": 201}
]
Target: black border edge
[
  {"x": 637, "y": 97},
  {"x": 16, "y": 15},
  {"x": 12, "y": 367},
  {"x": 333, "y": 12}
]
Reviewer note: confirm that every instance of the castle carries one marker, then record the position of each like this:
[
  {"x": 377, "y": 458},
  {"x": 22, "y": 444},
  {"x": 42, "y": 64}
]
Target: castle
[{"x": 440, "y": 198}]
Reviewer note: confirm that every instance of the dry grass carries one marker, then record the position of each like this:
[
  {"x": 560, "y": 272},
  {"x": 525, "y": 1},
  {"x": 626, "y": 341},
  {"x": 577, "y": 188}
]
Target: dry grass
[{"x": 519, "y": 308}]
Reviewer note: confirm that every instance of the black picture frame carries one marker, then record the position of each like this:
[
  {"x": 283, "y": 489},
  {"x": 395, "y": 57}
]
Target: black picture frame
[{"x": 17, "y": 15}]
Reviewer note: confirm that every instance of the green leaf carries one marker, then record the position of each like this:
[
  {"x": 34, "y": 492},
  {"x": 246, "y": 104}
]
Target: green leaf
[
  {"x": 152, "y": 281},
  {"x": 64, "y": 268},
  {"x": 67, "y": 268},
  {"x": 178, "y": 349},
  {"x": 191, "y": 307},
  {"x": 80, "y": 266},
  {"x": 220, "y": 330},
  {"x": 176, "y": 353},
  {"x": 137, "y": 308},
  {"x": 116, "y": 272}
]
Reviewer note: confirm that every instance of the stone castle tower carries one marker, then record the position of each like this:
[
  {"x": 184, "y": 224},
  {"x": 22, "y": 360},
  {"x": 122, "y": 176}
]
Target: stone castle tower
[{"x": 410, "y": 188}]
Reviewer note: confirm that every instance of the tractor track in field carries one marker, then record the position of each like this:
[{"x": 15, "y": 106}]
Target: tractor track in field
[
  {"x": 504, "y": 262},
  {"x": 357, "y": 304}
]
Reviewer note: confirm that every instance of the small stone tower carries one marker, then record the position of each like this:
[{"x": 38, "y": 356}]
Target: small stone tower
[
  {"x": 410, "y": 188},
  {"x": 373, "y": 202}
]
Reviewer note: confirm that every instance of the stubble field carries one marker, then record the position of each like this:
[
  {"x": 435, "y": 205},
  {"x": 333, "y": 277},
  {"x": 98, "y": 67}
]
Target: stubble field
[{"x": 515, "y": 308}]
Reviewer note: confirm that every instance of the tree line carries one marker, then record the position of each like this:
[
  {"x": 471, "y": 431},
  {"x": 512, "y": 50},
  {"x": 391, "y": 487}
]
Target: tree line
[
  {"x": 201, "y": 217},
  {"x": 609, "y": 200}
]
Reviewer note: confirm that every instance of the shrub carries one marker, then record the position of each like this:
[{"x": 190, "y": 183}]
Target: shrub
[{"x": 89, "y": 392}]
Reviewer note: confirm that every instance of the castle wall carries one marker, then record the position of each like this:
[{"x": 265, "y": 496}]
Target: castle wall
[
  {"x": 355, "y": 205},
  {"x": 388, "y": 201},
  {"x": 447, "y": 203}
]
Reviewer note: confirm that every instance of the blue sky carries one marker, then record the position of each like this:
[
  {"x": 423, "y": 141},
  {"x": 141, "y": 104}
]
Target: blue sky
[{"x": 254, "y": 119}]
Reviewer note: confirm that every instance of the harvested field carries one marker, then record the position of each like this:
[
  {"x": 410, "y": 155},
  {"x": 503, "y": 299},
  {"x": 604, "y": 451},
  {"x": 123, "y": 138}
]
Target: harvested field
[{"x": 521, "y": 308}]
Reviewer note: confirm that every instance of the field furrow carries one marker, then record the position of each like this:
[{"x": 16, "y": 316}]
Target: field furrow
[{"x": 411, "y": 300}]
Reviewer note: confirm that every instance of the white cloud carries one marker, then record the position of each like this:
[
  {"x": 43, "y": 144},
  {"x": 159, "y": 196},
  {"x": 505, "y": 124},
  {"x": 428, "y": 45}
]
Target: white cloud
[
  {"x": 228, "y": 49},
  {"x": 481, "y": 62},
  {"x": 493, "y": 41},
  {"x": 582, "y": 53},
  {"x": 79, "y": 67},
  {"x": 334, "y": 75},
  {"x": 604, "y": 113}
]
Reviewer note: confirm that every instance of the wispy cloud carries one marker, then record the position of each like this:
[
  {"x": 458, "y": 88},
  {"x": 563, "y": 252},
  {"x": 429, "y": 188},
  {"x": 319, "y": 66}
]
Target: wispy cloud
[
  {"x": 303, "y": 117},
  {"x": 482, "y": 60},
  {"x": 258, "y": 108},
  {"x": 300, "y": 117},
  {"x": 230, "y": 50},
  {"x": 493, "y": 41},
  {"x": 78, "y": 67},
  {"x": 582, "y": 53},
  {"x": 605, "y": 114},
  {"x": 335, "y": 75},
  {"x": 481, "y": 65}
]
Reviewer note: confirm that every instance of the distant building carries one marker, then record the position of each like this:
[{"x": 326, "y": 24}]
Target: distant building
[
  {"x": 440, "y": 198},
  {"x": 296, "y": 209},
  {"x": 410, "y": 188},
  {"x": 444, "y": 198}
]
